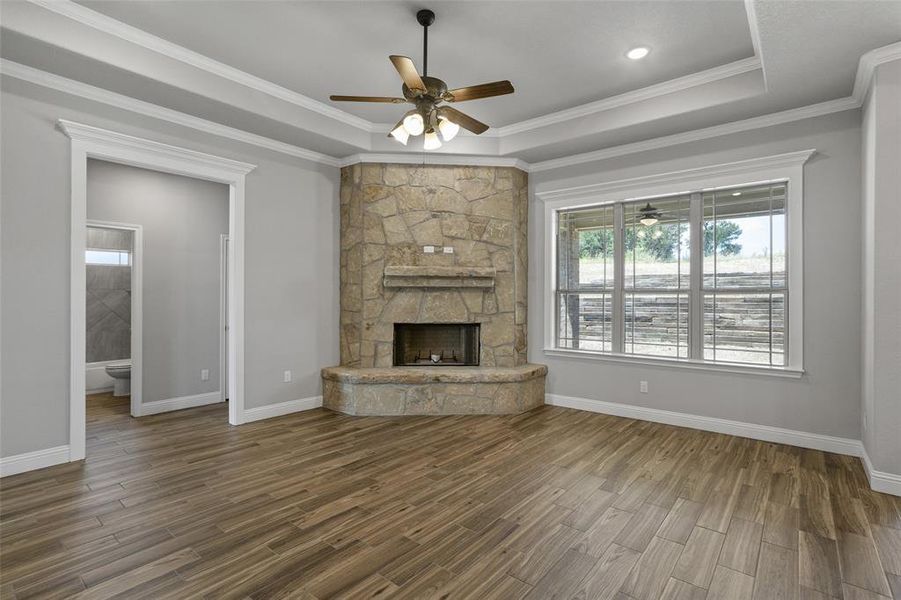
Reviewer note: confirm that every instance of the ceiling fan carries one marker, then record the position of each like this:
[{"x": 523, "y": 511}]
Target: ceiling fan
[
  {"x": 649, "y": 215},
  {"x": 428, "y": 94}
]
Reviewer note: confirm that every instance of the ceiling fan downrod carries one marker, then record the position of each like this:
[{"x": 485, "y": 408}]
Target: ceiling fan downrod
[{"x": 425, "y": 17}]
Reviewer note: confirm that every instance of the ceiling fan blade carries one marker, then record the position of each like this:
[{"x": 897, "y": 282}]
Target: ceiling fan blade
[
  {"x": 408, "y": 72},
  {"x": 484, "y": 90},
  {"x": 463, "y": 120},
  {"x": 387, "y": 99}
]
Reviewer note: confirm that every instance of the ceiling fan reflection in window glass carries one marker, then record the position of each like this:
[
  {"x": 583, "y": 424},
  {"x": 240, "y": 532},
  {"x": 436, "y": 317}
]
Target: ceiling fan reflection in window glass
[{"x": 107, "y": 257}]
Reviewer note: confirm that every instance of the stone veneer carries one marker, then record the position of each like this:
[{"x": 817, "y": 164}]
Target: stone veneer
[{"x": 388, "y": 213}]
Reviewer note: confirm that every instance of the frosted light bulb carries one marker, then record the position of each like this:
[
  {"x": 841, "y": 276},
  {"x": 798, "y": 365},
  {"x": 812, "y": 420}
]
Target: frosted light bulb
[
  {"x": 400, "y": 134},
  {"x": 448, "y": 128},
  {"x": 414, "y": 124},
  {"x": 431, "y": 140}
]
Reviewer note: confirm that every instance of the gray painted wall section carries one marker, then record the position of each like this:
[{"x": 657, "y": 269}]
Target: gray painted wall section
[
  {"x": 826, "y": 399},
  {"x": 182, "y": 220},
  {"x": 881, "y": 356},
  {"x": 291, "y": 296}
]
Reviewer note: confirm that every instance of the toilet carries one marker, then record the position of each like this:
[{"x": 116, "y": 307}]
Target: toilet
[{"x": 121, "y": 374}]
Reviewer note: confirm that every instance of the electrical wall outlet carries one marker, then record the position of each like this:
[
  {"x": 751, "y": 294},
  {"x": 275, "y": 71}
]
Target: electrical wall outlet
[
  {"x": 643, "y": 387},
  {"x": 287, "y": 377},
  {"x": 204, "y": 374},
  {"x": 448, "y": 249},
  {"x": 428, "y": 249}
]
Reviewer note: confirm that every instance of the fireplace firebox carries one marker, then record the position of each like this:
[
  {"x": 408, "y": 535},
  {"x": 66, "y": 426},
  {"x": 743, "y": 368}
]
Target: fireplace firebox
[{"x": 436, "y": 344}]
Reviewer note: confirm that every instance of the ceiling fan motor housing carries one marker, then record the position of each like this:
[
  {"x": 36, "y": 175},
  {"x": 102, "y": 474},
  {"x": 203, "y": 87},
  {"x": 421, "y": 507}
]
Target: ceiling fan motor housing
[
  {"x": 435, "y": 90},
  {"x": 427, "y": 102}
]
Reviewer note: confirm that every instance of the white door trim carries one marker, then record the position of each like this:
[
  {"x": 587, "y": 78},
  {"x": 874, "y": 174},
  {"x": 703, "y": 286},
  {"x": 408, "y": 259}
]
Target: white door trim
[
  {"x": 223, "y": 316},
  {"x": 93, "y": 142},
  {"x": 137, "y": 307}
]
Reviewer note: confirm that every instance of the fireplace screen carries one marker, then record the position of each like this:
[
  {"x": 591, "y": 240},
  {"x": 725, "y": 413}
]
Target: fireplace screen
[{"x": 436, "y": 344}]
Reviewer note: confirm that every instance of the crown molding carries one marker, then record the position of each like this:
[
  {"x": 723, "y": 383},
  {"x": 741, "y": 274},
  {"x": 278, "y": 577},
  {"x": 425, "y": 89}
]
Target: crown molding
[
  {"x": 89, "y": 92},
  {"x": 461, "y": 160},
  {"x": 754, "y": 30},
  {"x": 126, "y": 143},
  {"x": 779, "y": 118},
  {"x": 82, "y": 90},
  {"x": 787, "y": 159},
  {"x": 139, "y": 37},
  {"x": 867, "y": 66},
  {"x": 653, "y": 91}
]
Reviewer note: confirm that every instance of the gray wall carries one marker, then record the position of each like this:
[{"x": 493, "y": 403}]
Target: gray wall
[
  {"x": 291, "y": 295},
  {"x": 881, "y": 356},
  {"x": 108, "y": 299},
  {"x": 826, "y": 399},
  {"x": 182, "y": 220}
]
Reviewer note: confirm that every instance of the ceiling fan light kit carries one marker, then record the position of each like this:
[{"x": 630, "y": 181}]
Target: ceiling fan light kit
[
  {"x": 649, "y": 215},
  {"x": 431, "y": 117}
]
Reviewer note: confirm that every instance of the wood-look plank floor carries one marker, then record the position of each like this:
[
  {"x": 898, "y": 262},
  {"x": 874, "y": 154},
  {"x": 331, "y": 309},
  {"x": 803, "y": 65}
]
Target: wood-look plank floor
[{"x": 555, "y": 503}]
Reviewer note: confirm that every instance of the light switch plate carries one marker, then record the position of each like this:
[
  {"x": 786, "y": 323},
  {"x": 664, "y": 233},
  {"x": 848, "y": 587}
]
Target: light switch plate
[
  {"x": 428, "y": 249},
  {"x": 287, "y": 376},
  {"x": 448, "y": 249}
]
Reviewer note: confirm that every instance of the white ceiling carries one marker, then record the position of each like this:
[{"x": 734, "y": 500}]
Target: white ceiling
[
  {"x": 556, "y": 54},
  {"x": 267, "y": 67}
]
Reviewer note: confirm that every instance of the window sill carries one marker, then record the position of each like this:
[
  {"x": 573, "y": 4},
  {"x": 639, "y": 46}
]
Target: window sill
[{"x": 678, "y": 363}]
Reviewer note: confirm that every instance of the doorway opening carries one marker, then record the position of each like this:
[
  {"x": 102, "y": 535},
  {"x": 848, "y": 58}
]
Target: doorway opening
[
  {"x": 87, "y": 142},
  {"x": 114, "y": 309}
]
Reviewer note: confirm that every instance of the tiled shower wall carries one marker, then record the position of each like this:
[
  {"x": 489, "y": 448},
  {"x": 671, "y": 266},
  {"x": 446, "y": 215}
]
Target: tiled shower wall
[{"x": 108, "y": 299}]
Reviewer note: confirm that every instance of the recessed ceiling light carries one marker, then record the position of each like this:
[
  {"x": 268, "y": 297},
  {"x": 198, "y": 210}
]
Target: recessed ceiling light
[
  {"x": 736, "y": 193},
  {"x": 637, "y": 53}
]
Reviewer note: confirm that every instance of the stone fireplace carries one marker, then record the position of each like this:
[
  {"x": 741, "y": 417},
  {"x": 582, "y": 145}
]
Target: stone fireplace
[{"x": 434, "y": 265}]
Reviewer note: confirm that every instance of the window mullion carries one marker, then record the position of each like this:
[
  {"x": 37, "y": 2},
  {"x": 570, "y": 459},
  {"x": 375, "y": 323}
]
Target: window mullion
[
  {"x": 696, "y": 279},
  {"x": 619, "y": 317}
]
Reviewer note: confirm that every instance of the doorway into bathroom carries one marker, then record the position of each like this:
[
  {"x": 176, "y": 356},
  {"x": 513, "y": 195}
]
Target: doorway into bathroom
[
  {"x": 167, "y": 369},
  {"x": 113, "y": 311},
  {"x": 170, "y": 233}
]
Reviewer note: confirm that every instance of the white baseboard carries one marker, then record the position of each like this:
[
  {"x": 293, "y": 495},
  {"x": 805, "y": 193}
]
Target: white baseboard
[
  {"x": 20, "y": 463},
  {"x": 282, "y": 408},
  {"x": 102, "y": 390},
  {"x": 881, "y": 481},
  {"x": 180, "y": 403},
  {"x": 754, "y": 431}
]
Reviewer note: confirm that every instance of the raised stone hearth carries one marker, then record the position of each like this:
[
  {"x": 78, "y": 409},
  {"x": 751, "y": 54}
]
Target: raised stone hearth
[
  {"x": 433, "y": 390},
  {"x": 424, "y": 244}
]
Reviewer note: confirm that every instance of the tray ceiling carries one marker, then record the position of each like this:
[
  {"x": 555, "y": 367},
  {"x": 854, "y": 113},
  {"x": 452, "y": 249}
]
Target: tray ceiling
[{"x": 267, "y": 67}]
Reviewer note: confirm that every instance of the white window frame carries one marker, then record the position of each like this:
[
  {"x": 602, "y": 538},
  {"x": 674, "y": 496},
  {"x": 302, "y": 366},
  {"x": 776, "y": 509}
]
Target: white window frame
[
  {"x": 127, "y": 254},
  {"x": 787, "y": 167}
]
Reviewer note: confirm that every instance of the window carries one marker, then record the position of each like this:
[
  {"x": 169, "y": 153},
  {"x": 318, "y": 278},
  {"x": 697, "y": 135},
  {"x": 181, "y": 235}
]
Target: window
[
  {"x": 107, "y": 257},
  {"x": 698, "y": 276},
  {"x": 744, "y": 282}
]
